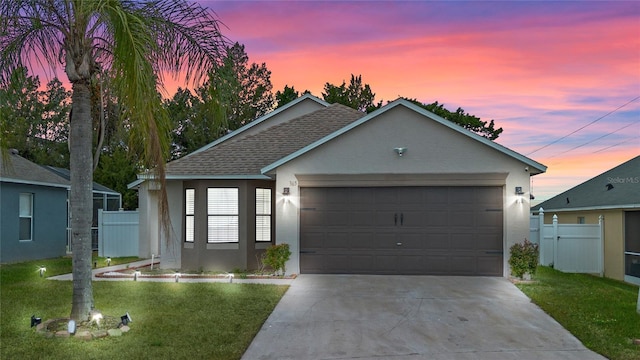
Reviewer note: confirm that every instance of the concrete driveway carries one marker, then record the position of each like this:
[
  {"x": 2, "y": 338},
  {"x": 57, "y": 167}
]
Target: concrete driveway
[{"x": 410, "y": 317}]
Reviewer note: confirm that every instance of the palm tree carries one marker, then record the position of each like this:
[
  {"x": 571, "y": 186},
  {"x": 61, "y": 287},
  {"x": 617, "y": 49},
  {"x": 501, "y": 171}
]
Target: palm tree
[{"x": 137, "y": 42}]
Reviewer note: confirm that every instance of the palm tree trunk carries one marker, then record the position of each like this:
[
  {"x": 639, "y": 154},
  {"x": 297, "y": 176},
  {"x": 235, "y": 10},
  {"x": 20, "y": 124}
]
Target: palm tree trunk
[{"x": 81, "y": 200}]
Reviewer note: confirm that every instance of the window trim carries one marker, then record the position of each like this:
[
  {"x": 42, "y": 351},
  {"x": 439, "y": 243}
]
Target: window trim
[
  {"x": 229, "y": 215},
  {"x": 21, "y": 216},
  {"x": 268, "y": 215}
]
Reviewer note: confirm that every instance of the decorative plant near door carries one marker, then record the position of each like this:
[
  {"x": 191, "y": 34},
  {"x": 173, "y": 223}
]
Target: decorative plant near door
[
  {"x": 524, "y": 258},
  {"x": 277, "y": 256}
]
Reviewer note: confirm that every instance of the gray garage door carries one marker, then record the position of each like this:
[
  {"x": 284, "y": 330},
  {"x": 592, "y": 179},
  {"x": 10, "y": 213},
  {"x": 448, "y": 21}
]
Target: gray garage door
[{"x": 401, "y": 230}]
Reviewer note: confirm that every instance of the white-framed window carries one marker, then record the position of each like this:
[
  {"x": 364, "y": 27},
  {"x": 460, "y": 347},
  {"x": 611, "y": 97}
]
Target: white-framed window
[
  {"x": 263, "y": 215},
  {"x": 222, "y": 215},
  {"x": 189, "y": 211},
  {"x": 26, "y": 217}
]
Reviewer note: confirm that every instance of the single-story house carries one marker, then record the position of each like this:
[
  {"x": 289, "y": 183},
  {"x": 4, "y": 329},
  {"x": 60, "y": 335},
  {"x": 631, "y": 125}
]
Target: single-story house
[
  {"x": 396, "y": 191},
  {"x": 34, "y": 220},
  {"x": 33, "y": 211},
  {"x": 614, "y": 194}
]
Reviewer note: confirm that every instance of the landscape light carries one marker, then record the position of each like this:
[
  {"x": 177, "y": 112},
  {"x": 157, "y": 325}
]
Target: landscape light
[
  {"x": 71, "y": 327},
  {"x": 96, "y": 317},
  {"x": 35, "y": 320},
  {"x": 108, "y": 261},
  {"x": 42, "y": 269},
  {"x": 126, "y": 318},
  {"x": 177, "y": 275},
  {"x": 135, "y": 275}
]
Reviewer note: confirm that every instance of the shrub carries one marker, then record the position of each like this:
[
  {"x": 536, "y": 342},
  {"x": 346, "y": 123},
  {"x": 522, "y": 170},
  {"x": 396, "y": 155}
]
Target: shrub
[
  {"x": 276, "y": 257},
  {"x": 524, "y": 258}
]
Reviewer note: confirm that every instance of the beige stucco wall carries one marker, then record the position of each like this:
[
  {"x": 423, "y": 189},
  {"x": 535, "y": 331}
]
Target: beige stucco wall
[
  {"x": 613, "y": 235},
  {"x": 436, "y": 155},
  {"x": 150, "y": 239}
]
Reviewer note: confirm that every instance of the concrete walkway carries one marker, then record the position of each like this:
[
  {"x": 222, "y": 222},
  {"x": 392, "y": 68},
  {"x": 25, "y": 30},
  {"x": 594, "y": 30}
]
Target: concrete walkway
[
  {"x": 183, "y": 279},
  {"x": 411, "y": 317}
]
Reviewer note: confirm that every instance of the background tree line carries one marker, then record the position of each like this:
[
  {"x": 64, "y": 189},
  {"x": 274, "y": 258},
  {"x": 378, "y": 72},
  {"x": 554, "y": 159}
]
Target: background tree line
[{"x": 35, "y": 122}]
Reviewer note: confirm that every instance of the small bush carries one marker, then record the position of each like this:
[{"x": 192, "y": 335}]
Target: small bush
[
  {"x": 276, "y": 257},
  {"x": 524, "y": 258}
]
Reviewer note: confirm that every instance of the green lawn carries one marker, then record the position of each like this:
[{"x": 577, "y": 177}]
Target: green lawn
[
  {"x": 170, "y": 320},
  {"x": 600, "y": 312}
]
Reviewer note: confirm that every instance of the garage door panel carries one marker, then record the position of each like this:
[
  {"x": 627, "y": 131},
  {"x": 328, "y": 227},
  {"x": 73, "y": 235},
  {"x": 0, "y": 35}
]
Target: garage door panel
[
  {"x": 403, "y": 230},
  {"x": 336, "y": 218},
  {"x": 362, "y": 263},
  {"x": 361, "y": 240},
  {"x": 489, "y": 265},
  {"x": 314, "y": 240},
  {"x": 385, "y": 218},
  {"x": 436, "y": 264},
  {"x": 385, "y": 264},
  {"x": 410, "y": 241},
  {"x": 488, "y": 242},
  {"x": 362, "y": 218},
  {"x": 437, "y": 241},
  {"x": 461, "y": 218},
  {"x": 435, "y": 218},
  {"x": 462, "y": 265},
  {"x": 411, "y": 218},
  {"x": 337, "y": 240},
  {"x": 411, "y": 265},
  {"x": 462, "y": 241},
  {"x": 489, "y": 218},
  {"x": 385, "y": 241}
]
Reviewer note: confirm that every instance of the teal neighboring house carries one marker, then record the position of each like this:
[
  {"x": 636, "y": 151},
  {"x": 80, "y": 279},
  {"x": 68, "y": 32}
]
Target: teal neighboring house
[{"x": 34, "y": 212}]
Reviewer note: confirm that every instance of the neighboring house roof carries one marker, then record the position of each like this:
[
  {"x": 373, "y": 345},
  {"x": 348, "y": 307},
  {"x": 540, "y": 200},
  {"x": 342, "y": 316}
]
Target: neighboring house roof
[
  {"x": 618, "y": 188},
  {"x": 535, "y": 167},
  {"x": 246, "y": 156},
  {"x": 16, "y": 169},
  {"x": 66, "y": 174},
  {"x": 20, "y": 170}
]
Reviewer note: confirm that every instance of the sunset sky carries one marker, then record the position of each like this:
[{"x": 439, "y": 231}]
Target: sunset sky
[
  {"x": 541, "y": 70},
  {"x": 562, "y": 78}
]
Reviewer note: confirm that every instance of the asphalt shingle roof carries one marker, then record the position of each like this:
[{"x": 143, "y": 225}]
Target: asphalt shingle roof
[
  {"x": 23, "y": 170},
  {"x": 247, "y": 155},
  {"x": 616, "y": 188}
]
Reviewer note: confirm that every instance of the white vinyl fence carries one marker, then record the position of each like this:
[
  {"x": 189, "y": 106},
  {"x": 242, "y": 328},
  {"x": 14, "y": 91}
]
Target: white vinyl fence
[
  {"x": 577, "y": 248},
  {"x": 118, "y": 233}
]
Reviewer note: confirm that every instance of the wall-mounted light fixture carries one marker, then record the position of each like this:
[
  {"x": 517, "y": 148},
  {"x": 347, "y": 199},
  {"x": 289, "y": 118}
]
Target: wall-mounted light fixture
[
  {"x": 400, "y": 150},
  {"x": 519, "y": 190},
  {"x": 286, "y": 191}
]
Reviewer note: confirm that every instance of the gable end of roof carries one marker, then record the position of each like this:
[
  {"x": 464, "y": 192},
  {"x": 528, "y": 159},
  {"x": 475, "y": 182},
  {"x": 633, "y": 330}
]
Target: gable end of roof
[{"x": 402, "y": 102}]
